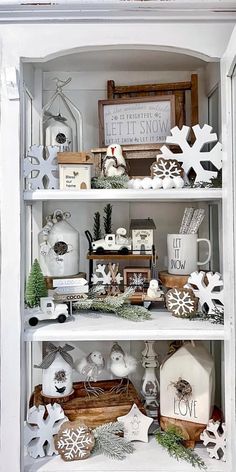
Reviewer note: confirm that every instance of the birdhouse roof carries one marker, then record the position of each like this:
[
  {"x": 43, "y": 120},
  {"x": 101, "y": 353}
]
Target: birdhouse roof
[
  {"x": 198, "y": 354},
  {"x": 147, "y": 223}
]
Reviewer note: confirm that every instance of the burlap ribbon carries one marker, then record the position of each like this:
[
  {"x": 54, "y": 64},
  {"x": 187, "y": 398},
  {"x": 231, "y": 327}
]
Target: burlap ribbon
[{"x": 51, "y": 356}]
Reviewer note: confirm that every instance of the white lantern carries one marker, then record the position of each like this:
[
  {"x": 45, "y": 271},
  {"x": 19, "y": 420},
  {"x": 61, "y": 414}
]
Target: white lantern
[
  {"x": 187, "y": 384},
  {"x": 57, "y": 368},
  {"x": 59, "y": 246},
  {"x": 150, "y": 384}
]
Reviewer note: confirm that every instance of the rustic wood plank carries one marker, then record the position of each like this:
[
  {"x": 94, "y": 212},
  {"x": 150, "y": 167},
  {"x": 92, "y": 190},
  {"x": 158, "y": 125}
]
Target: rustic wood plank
[
  {"x": 94, "y": 411},
  {"x": 194, "y": 99},
  {"x": 119, "y": 256},
  {"x": 126, "y": 89}
]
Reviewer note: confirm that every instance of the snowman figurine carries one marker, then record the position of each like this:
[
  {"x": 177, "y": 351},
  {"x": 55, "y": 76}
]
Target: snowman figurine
[{"x": 114, "y": 164}]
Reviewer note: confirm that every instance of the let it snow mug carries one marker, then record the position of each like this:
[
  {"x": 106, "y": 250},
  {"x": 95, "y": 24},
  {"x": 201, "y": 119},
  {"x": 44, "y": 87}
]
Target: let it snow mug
[{"x": 182, "y": 253}]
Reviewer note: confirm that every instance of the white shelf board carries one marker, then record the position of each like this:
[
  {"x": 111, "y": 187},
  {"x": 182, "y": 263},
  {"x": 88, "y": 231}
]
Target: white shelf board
[
  {"x": 172, "y": 195},
  {"x": 146, "y": 458},
  {"x": 94, "y": 326}
]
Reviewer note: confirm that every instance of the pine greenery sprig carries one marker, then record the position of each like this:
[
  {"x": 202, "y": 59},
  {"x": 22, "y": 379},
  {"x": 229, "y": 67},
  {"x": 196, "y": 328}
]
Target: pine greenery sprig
[
  {"x": 172, "y": 440},
  {"x": 97, "y": 234},
  {"x": 216, "y": 318},
  {"x": 35, "y": 286},
  {"x": 109, "y": 442},
  {"x": 118, "y": 305},
  {"x": 110, "y": 182},
  {"x": 107, "y": 219}
]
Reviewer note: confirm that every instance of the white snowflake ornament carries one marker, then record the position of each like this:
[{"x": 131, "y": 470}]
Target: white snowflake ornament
[
  {"x": 210, "y": 294},
  {"x": 181, "y": 302},
  {"x": 214, "y": 436},
  {"x": 192, "y": 157},
  {"x": 39, "y": 432},
  {"x": 136, "y": 425},
  {"x": 74, "y": 441},
  {"x": 40, "y": 172}
]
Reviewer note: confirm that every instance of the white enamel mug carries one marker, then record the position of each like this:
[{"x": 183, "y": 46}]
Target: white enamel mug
[{"x": 182, "y": 253}]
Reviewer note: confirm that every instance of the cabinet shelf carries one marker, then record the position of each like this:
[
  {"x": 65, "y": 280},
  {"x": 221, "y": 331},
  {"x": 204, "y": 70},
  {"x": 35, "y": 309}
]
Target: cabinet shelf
[
  {"x": 146, "y": 458},
  {"x": 170, "y": 195},
  {"x": 95, "y": 326}
]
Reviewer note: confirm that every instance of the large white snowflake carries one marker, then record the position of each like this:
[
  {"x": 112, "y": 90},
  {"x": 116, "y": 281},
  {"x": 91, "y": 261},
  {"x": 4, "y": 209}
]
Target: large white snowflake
[
  {"x": 39, "y": 432},
  {"x": 103, "y": 275},
  {"x": 192, "y": 157},
  {"x": 40, "y": 172},
  {"x": 181, "y": 302},
  {"x": 210, "y": 294},
  {"x": 214, "y": 436},
  {"x": 74, "y": 442}
]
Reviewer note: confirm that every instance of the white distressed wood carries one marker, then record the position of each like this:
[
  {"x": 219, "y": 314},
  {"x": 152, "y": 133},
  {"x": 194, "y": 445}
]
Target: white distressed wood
[
  {"x": 37, "y": 168},
  {"x": 94, "y": 326},
  {"x": 38, "y": 430},
  {"x": 215, "y": 440},
  {"x": 160, "y": 195},
  {"x": 146, "y": 458},
  {"x": 208, "y": 293}
]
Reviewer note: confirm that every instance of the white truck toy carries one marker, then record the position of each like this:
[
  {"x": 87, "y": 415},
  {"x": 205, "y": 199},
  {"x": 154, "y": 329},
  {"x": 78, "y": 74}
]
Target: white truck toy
[
  {"x": 113, "y": 242},
  {"x": 48, "y": 310}
]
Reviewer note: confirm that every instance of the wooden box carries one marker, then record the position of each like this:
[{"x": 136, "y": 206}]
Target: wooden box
[{"x": 94, "y": 411}]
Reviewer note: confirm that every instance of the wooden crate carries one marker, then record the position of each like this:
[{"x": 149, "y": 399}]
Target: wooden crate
[{"x": 94, "y": 411}]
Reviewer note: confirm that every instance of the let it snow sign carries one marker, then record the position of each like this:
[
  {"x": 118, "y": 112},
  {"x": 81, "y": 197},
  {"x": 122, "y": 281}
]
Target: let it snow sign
[{"x": 135, "y": 121}]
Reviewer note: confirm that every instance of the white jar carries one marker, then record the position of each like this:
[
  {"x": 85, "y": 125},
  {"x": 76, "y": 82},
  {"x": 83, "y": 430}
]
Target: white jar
[{"x": 59, "y": 246}]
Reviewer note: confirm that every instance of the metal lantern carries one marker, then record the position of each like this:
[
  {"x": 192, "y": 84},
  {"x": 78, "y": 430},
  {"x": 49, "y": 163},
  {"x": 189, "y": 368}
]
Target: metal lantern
[
  {"x": 59, "y": 246},
  {"x": 62, "y": 121}
]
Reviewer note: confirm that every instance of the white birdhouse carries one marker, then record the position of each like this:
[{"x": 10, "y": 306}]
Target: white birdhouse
[
  {"x": 187, "y": 384},
  {"x": 59, "y": 247},
  {"x": 57, "y": 368},
  {"x": 58, "y": 134},
  {"x": 142, "y": 235}
]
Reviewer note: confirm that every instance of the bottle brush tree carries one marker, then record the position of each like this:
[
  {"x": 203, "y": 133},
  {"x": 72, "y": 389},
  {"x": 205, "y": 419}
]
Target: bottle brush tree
[
  {"x": 97, "y": 234},
  {"x": 107, "y": 219},
  {"x": 35, "y": 286}
]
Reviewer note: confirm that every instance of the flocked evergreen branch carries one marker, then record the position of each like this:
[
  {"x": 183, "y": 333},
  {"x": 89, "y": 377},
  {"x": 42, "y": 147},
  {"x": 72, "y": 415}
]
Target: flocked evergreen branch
[
  {"x": 107, "y": 219},
  {"x": 109, "y": 442},
  {"x": 110, "y": 182},
  {"x": 172, "y": 441},
  {"x": 216, "y": 318},
  {"x": 118, "y": 305}
]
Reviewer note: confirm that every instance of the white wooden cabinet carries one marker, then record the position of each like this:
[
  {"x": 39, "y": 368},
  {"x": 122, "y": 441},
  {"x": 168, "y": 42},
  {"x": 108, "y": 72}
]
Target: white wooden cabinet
[{"x": 40, "y": 47}]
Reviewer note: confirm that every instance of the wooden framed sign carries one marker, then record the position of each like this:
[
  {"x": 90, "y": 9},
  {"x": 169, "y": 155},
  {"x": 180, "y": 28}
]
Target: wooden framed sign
[{"x": 136, "y": 121}]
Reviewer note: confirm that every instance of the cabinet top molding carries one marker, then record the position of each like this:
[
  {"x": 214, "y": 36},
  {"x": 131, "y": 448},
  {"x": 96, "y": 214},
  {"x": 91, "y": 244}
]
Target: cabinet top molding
[{"x": 38, "y": 11}]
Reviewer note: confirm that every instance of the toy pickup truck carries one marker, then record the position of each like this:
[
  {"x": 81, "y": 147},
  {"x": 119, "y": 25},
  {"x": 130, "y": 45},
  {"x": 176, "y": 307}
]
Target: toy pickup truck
[
  {"x": 48, "y": 310},
  {"x": 112, "y": 243}
]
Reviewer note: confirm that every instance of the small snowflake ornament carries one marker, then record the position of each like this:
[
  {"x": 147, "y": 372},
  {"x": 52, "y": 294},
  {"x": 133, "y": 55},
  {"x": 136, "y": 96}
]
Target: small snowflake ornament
[
  {"x": 210, "y": 294},
  {"x": 41, "y": 172},
  {"x": 192, "y": 157},
  {"x": 169, "y": 171},
  {"x": 181, "y": 302},
  {"x": 74, "y": 441},
  {"x": 136, "y": 425},
  {"x": 137, "y": 280},
  {"x": 39, "y": 431},
  {"x": 214, "y": 438}
]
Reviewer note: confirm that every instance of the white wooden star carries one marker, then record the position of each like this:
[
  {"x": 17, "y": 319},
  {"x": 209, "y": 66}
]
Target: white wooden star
[{"x": 136, "y": 425}]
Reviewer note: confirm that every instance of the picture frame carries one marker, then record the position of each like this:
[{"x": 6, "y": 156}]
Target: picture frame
[
  {"x": 137, "y": 277},
  {"x": 136, "y": 121}
]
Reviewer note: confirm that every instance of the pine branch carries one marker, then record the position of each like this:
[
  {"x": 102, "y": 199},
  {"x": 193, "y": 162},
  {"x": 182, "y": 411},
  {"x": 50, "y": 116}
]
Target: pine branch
[
  {"x": 171, "y": 440},
  {"x": 107, "y": 219},
  {"x": 110, "y": 182},
  {"x": 216, "y": 318},
  {"x": 109, "y": 443}
]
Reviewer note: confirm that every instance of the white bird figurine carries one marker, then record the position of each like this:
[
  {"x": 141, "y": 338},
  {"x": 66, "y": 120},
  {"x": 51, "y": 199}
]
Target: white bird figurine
[
  {"x": 121, "y": 365},
  {"x": 91, "y": 366},
  {"x": 114, "y": 162}
]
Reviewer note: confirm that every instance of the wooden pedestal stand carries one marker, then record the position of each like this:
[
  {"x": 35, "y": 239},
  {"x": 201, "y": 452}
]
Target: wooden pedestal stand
[
  {"x": 190, "y": 431},
  {"x": 94, "y": 411},
  {"x": 172, "y": 281}
]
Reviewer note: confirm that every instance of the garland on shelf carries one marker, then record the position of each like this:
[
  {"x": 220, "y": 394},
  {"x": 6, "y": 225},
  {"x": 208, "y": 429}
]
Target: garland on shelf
[
  {"x": 215, "y": 182},
  {"x": 110, "y": 182},
  {"x": 171, "y": 440},
  {"x": 118, "y": 305},
  {"x": 216, "y": 318}
]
